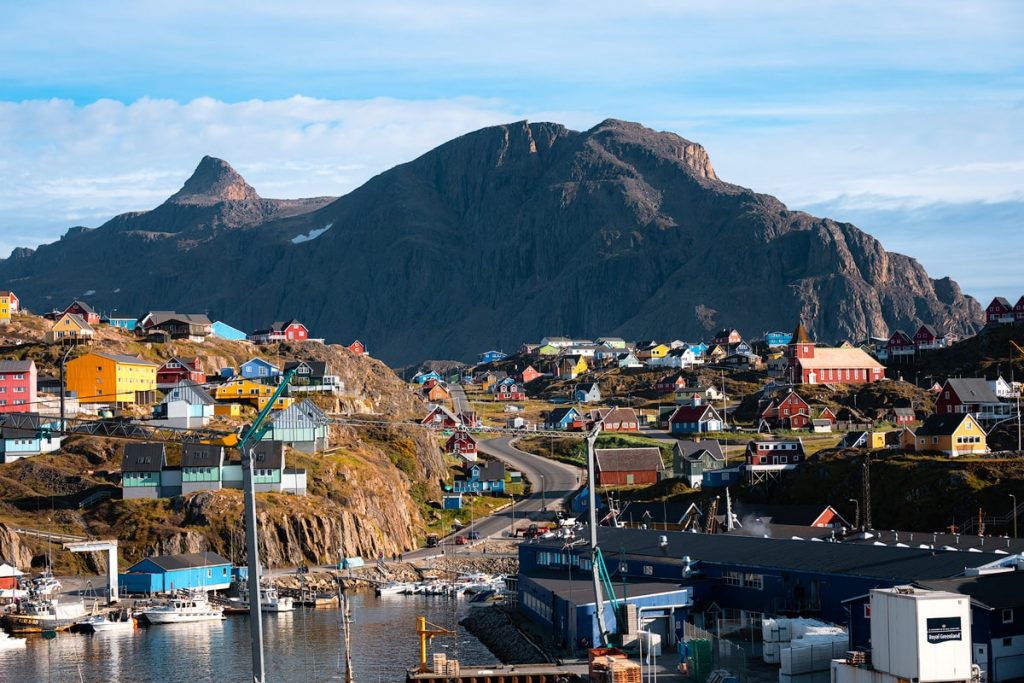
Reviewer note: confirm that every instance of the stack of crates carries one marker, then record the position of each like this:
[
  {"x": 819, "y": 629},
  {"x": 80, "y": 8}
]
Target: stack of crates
[
  {"x": 610, "y": 665},
  {"x": 440, "y": 662},
  {"x": 452, "y": 668}
]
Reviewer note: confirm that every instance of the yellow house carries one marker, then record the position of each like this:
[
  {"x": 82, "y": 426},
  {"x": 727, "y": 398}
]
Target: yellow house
[
  {"x": 107, "y": 378},
  {"x": 571, "y": 367},
  {"x": 656, "y": 351},
  {"x": 247, "y": 391},
  {"x": 8, "y": 306},
  {"x": 228, "y": 410},
  {"x": 70, "y": 327},
  {"x": 952, "y": 433}
]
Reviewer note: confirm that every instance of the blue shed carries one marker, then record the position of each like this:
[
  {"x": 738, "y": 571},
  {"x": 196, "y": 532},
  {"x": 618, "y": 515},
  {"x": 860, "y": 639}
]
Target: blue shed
[
  {"x": 188, "y": 571},
  {"x": 452, "y": 502}
]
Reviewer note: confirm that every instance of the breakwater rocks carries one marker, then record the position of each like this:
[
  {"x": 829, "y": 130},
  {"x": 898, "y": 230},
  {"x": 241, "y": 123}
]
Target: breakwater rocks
[{"x": 496, "y": 630}]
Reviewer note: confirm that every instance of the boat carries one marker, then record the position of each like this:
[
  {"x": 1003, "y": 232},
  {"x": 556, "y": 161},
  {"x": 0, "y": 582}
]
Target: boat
[
  {"x": 184, "y": 608},
  {"x": 8, "y": 643},
  {"x": 270, "y": 600},
  {"x": 486, "y": 599},
  {"x": 392, "y": 588},
  {"x": 122, "y": 620},
  {"x": 39, "y": 615}
]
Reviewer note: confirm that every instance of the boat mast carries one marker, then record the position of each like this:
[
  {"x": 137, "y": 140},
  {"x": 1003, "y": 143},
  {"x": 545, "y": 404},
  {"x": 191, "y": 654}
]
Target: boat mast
[
  {"x": 346, "y": 615},
  {"x": 595, "y": 558}
]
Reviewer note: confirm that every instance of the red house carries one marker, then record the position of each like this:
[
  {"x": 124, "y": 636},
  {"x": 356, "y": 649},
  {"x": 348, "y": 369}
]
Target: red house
[
  {"x": 999, "y": 312},
  {"x": 84, "y": 311},
  {"x": 900, "y": 344},
  {"x": 441, "y": 418},
  {"x": 670, "y": 383},
  {"x": 461, "y": 444},
  {"x": 969, "y": 395},
  {"x": 620, "y": 420},
  {"x": 357, "y": 347},
  {"x": 727, "y": 336},
  {"x": 530, "y": 374},
  {"x": 177, "y": 369},
  {"x": 628, "y": 466},
  {"x": 509, "y": 391},
  {"x": 291, "y": 330},
  {"x": 903, "y": 416},
  {"x": 17, "y": 386},
  {"x": 775, "y": 452},
  {"x": 792, "y": 412},
  {"x": 810, "y": 365},
  {"x": 1018, "y": 311}
]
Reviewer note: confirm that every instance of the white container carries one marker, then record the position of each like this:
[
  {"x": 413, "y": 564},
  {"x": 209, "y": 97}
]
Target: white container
[
  {"x": 922, "y": 635},
  {"x": 650, "y": 643},
  {"x": 770, "y": 653}
]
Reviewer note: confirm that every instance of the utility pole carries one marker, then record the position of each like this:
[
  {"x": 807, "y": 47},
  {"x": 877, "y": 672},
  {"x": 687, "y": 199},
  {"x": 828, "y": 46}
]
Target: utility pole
[
  {"x": 1014, "y": 498},
  {"x": 856, "y": 514},
  {"x": 253, "y": 555},
  {"x": 346, "y": 615},
  {"x": 595, "y": 557},
  {"x": 866, "y": 476}
]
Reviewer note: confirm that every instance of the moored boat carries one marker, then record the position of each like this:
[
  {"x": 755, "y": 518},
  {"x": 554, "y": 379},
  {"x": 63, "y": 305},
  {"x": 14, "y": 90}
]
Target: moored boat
[
  {"x": 37, "y": 616},
  {"x": 270, "y": 600},
  {"x": 184, "y": 608},
  {"x": 122, "y": 620}
]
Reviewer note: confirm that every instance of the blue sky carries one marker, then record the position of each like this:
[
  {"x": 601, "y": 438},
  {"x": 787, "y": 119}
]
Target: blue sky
[{"x": 903, "y": 117}]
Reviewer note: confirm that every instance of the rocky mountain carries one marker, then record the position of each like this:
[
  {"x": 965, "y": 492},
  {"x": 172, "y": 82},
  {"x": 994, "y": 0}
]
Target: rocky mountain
[{"x": 497, "y": 237}]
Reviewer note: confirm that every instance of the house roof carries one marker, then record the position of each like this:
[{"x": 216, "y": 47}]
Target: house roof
[
  {"x": 793, "y": 515},
  {"x": 942, "y": 425},
  {"x": 7, "y": 366},
  {"x": 903, "y": 412},
  {"x": 997, "y": 591},
  {"x": 185, "y": 561},
  {"x": 695, "y": 450},
  {"x": 143, "y": 457},
  {"x": 187, "y": 390},
  {"x": 281, "y": 326},
  {"x": 578, "y": 591},
  {"x": 161, "y": 317},
  {"x": 559, "y": 414},
  {"x": 800, "y": 335},
  {"x": 82, "y": 305},
  {"x": 693, "y": 414},
  {"x": 300, "y": 414},
  {"x": 620, "y": 415},
  {"x": 76, "y": 319},
  {"x": 440, "y": 409},
  {"x": 122, "y": 358},
  {"x": 201, "y": 455},
  {"x": 628, "y": 459},
  {"x": 972, "y": 390},
  {"x": 22, "y": 425},
  {"x": 1001, "y": 300},
  {"x": 257, "y": 359},
  {"x": 492, "y": 470},
  {"x": 880, "y": 562},
  {"x": 269, "y": 454},
  {"x": 839, "y": 358},
  {"x": 929, "y": 329},
  {"x": 318, "y": 368}
]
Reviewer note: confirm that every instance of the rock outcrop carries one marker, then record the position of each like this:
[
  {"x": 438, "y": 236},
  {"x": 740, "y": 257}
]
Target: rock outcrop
[
  {"x": 500, "y": 236},
  {"x": 12, "y": 550}
]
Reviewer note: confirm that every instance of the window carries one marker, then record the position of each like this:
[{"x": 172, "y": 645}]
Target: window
[
  {"x": 755, "y": 581},
  {"x": 1008, "y": 615},
  {"x": 867, "y": 610},
  {"x": 732, "y": 579},
  {"x": 209, "y": 573},
  {"x": 648, "y": 570},
  {"x": 969, "y": 425}
]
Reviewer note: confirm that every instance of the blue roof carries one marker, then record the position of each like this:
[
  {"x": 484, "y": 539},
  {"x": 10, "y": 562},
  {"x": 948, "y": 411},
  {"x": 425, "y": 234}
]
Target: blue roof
[{"x": 225, "y": 331}]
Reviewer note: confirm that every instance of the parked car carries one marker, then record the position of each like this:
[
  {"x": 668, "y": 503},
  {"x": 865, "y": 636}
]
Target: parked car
[
  {"x": 460, "y": 540},
  {"x": 473, "y": 535}
]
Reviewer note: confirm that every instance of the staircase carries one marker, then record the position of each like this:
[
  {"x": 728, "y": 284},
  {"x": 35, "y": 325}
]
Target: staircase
[{"x": 1005, "y": 521}]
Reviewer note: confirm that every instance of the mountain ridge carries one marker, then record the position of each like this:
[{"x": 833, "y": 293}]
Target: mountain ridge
[{"x": 509, "y": 233}]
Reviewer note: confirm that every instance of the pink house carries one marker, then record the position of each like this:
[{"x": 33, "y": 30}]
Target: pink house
[{"x": 17, "y": 386}]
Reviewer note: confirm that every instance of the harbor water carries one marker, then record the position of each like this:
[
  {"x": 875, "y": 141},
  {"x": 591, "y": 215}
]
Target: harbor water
[{"x": 304, "y": 646}]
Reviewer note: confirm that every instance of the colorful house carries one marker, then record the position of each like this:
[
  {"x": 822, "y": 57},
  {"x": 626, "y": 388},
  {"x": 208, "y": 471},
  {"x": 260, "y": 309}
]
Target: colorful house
[
  {"x": 69, "y": 327},
  {"x": 222, "y": 330},
  {"x": 809, "y": 365},
  {"x": 204, "y": 571},
  {"x": 691, "y": 459},
  {"x": 192, "y": 326},
  {"x": 178, "y": 369},
  {"x": 437, "y": 392},
  {"x": 201, "y": 466},
  {"x": 480, "y": 477},
  {"x": 529, "y": 374},
  {"x": 727, "y": 336},
  {"x": 357, "y": 347},
  {"x": 126, "y": 324},
  {"x": 509, "y": 390},
  {"x": 766, "y": 459},
  {"x": 313, "y": 376},
  {"x": 9, "y": 305},
  {"x": 492, "y": 357},
  {"x": 98, "y": 377},
  {"x": 972, "y": 395},
  {"x": 777, "y": 339},
  {"x": 461, "y": 444},
  {"x": 562, "y": 419},
  {"x": 614, "y": 342},
  {"x": 186, "y": 405},
  {"x": 423, "y": 377},
  {"x": 571, "y": 367},
  {"x": 83, "y": 311},
  {"x": 669, "y": 383},
  {"x": 246, "y": 391},
  {"x": 999, "y": 312},
  {"x": 289, "y": 330},
  {"x": 620, "y": 420},
  {"x": 953, "y": 434},
  {"x": 259, "y": 369},
  {"x": 18, "y": 383},
  {"x": 441, "y": 418},
  {"x": 26, "y": 434},
  {"x": 792, "y": 412},
  {"x": 303, "y": 426},
  {"x": 902, "y": 416},
  {"x": 141, "y": 467},
  {"x": 590, "y": 392},
  {"x": 628, "y": 466},
  {"x": 695, "y": 419},
  {"x": 900, "y": 345},
  {"x": 652, "y": 354},
  {"x": 547, "y": 350}
]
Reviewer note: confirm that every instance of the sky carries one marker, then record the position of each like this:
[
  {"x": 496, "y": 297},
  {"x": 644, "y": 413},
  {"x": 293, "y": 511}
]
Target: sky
[{"x": 904, "y": 118}]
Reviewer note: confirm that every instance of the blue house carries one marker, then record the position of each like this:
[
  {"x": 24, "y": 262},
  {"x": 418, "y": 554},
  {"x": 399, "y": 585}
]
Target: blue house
[
  {"x": 699, "y": 349},
  {"x": 127, "y": 324},
  {"x": 188, "y": 571},
  {"x": 561, "y": 418},
  {"x": 776, "y": 339},
  {"x": 424, "y": 377},
  {"x": 222, "y": 330},
  {"x": 480, "y": 477},
  {"x": 259, "y": 369},
  {"x": 492, "y": 357},
  {"x": 26, "y": 434}
]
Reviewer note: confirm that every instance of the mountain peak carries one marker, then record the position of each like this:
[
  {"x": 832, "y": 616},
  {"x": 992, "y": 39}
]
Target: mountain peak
[
  {"x": 212, "y": 182},
  {"x": 616, "y": 134}
]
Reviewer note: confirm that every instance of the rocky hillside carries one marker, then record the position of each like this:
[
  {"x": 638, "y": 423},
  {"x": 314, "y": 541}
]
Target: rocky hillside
[
  {"x": 367, "y": 495},
  {"x": 500, "y": 236}
]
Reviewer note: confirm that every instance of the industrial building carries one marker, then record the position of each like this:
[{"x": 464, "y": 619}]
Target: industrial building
[{"x": 744, "y": 577}]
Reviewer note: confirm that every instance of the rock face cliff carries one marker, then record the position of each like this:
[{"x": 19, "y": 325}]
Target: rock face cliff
[{"x": 500, "y": 236}]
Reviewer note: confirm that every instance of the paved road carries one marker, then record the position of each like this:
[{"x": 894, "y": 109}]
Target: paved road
[
  {"x": 459, "y": 399},
  {"x": 551, "y": 483}
]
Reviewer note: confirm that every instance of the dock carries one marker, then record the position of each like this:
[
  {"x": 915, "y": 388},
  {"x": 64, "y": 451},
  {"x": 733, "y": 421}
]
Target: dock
[{"x": 516, "y": 673}]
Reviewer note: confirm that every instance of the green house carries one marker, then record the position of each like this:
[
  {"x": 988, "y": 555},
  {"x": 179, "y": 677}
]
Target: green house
[{"x": 141, "y": 466}]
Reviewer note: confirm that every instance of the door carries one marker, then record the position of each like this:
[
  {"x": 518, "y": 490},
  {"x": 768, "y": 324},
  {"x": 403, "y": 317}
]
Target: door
[{"x": 981, "y": 655}]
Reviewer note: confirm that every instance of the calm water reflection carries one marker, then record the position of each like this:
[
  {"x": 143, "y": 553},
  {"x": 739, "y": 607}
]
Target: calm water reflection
[{"x": 301, "y": 647}]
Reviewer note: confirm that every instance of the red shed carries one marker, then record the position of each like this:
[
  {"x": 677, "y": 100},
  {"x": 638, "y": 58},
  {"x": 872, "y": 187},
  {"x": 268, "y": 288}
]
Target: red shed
[{"x": 628, "y": 466}]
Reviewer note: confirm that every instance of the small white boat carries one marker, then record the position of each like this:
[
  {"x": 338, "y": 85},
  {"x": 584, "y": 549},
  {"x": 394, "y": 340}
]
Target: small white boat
[
  {"x": 9, "y": 643},
  {"x": 113, "y": 621},
  {"x": 186, "y": 608},
  {"x": 270, "y": 600},
  {"x": 392, "y": 588}
]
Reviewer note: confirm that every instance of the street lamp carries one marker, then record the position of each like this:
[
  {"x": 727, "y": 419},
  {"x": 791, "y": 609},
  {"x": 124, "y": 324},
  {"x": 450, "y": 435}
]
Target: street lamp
[
  {"x": 856, "y": 517},
  {"x": 512, "y": 524},
  {"x": 1012, "y": 496},
  {"x": 543, "y": 500}
]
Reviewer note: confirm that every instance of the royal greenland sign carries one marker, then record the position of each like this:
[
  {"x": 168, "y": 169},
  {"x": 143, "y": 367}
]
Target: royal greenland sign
[{"x": 943, "y": 629}]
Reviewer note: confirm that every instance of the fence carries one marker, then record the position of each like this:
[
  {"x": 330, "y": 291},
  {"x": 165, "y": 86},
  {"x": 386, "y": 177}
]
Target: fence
[{"x": 708, "y": 652}]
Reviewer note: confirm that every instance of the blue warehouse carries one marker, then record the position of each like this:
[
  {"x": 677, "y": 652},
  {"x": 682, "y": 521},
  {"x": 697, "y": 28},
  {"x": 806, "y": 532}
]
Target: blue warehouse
[{"x": 188, "y": 571}]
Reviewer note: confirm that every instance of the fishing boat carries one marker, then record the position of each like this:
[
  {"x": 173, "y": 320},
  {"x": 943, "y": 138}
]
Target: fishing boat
[
  {"x": 8, "y": 643},
  {"x": 270, "y": 600},
  {"x": 184, "y": 608},
  {"x": 122, "y": 620},
  {"x": 37, "y": 616},
  {"x": 45, "y": 584},
  {"x": 392, "y": 588}
]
